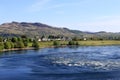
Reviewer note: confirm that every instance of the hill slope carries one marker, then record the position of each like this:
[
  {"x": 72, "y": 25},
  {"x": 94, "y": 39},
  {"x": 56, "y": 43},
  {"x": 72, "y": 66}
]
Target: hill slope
[
  {"x": 39, "y": 29},
  {"x": 32, "y": 29}
]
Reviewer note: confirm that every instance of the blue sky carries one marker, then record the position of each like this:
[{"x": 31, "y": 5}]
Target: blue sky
[{"x": 85, "y": 15}]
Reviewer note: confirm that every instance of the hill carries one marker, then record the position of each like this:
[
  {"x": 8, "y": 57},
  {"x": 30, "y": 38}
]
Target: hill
[
  {"x": 33, "y": 29},
  {"x": 39, "y": 29}
]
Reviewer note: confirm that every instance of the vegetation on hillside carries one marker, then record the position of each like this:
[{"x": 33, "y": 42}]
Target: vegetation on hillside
[
  {"x": 16, "y": 29},
  {"x": 25, "y": 42},
  {"x": 37, "y": 35}
]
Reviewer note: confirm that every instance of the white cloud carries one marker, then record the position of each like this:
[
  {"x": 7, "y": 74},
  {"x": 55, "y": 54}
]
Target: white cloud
[
  {"x": 44, "y": 5},
  {"x": 37, "y": 6},
  {"x": 63, "y": 5}
]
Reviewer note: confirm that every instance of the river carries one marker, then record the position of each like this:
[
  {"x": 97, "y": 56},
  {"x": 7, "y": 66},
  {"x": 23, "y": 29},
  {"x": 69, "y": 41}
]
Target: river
[{"x": 68, "y": 63}]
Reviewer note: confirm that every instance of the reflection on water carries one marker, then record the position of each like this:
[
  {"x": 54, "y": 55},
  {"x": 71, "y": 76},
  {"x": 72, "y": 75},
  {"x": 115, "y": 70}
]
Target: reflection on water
[{"x": 69, "y": 63}]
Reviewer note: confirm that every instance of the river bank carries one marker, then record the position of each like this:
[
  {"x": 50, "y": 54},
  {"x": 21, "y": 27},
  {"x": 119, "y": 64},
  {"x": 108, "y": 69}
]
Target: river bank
[{"x": 49, "y": 44}]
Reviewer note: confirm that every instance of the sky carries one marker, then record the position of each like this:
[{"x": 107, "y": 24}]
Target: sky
[{"x": 84, "y": 15}]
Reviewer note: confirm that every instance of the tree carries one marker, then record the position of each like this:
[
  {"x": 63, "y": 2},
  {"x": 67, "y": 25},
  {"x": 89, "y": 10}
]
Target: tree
[
  {"x": 25, "y": 43},
  {"x": 14, "y": 39},
  {"x": 76, "y": 43},
  {"x": 71, "y": 43},
  {"x": 1, "y": 46},
  {"x": 7, "y": 45},
  {"x": 23, "y": 36},
  {"x": 75, "y": 39},
  {"x": 56, "y": 43},
  {"x": 35, "y": 44},
  {"x": 20, "y": 44},
  {"x": 12, "y": 44},
  {"x": 1, "y": 39},
  {"x": 20, "y": 39}
]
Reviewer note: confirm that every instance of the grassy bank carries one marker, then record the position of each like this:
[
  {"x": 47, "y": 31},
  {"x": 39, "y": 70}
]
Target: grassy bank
[
  {"x": 99, "y": 43},
  {"x": 48, "y": 44},
  {"x": 81, "y": 43}
]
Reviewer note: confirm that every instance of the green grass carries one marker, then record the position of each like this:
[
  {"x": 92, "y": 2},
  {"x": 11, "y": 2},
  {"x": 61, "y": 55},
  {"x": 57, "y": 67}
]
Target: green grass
[
  {"x": 46, "y": 44},
  {"x": 99, "y": 43},
  {"x": 81, "y": 43},
  {"x": 30, "y": 44}
]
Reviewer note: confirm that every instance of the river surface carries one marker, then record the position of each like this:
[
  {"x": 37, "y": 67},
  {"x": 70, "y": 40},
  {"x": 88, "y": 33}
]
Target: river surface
[{"x": 68, "y": 63}]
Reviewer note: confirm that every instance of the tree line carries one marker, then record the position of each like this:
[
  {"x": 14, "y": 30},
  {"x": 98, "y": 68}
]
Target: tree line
[{"x": 17, "y": 42}]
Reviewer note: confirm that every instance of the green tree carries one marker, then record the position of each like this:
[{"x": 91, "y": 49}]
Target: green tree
[
  {"x": 56, "y": 43},
  {"x": 35, "y": 44},
  {"x": 20, "y": 39},
  {"x": 75, "y": 39},
  {"x": 25, "y": 43},
  {"x": 71, "y": 43},
  {"x": 7, "y": 45},
  {"x": 12, "y": 44},
  {"x": 76, "y": 43},
  {"x": 20, "y": 44},
  {"x": 1, "y": 39},
  {"x": 1, "y": 46},
  {"x": 14, "y": 39}
]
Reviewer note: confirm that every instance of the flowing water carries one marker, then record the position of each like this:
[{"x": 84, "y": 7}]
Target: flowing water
[{"x": 69, "y": 63}]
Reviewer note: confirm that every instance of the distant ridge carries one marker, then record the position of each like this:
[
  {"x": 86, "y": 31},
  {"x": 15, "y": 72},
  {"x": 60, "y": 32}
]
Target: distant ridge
[
  {"x": 40, "y": 29},
  {"x": 32, "y": 29}
]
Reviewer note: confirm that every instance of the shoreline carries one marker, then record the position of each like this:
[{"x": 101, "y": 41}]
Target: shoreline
[
  {"x": 16, "y": 49},
  {"x": 81, "y": 43},
  {"x": 32, "y": 48}
]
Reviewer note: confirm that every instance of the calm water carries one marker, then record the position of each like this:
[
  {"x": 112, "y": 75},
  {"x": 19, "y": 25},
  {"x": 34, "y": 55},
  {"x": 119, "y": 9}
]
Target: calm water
[{"x": 69, "y": 63}]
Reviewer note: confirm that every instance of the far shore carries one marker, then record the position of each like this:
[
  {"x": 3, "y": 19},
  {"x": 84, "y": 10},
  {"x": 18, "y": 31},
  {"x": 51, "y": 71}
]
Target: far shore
[
  {"x": 16, "y": 49},
  {"x": 49, "y": 44}
]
